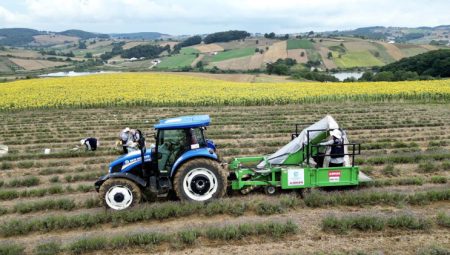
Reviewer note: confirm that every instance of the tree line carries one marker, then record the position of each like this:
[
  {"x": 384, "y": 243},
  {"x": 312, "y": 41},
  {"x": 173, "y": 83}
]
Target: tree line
[{"x": 425, "y": 66}]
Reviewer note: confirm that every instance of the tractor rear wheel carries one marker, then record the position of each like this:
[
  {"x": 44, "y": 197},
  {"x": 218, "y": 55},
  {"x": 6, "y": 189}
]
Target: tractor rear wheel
[
  {"x": 200, "y": 180},
  {"x": 119, "y": 193}
]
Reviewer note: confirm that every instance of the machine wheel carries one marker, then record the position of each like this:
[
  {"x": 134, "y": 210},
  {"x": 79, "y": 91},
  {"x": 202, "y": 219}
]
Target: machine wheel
[
  {"x": 119, "y": 193},
  {"x": 270, "y": 190},
  {"x": 200, "y": 180}
]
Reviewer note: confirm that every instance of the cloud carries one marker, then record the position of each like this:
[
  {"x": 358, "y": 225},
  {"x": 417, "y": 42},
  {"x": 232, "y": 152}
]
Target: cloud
[
  {"x": 8, "y": 17},
  {"x": 203, "y": 16}
]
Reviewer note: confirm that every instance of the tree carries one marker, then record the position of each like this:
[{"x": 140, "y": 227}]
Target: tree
[
  {"x": 367, "y": 76},
  {"x": 350, "y": 79},
  {"x": 199, "y": 64},
  {"x": 434, "y": 63},
  {"x": 286, "y": 36},
  {"x": 302, "y": 54},
  {"x": 82, "y": 45},
  {"x": 281, "y": 66},
  {"x": 270, "y": 35},
  {"x": 146, "y": 51},
  {"x": 330, "y": 55},
  {"x": 384, "y": 76},
  {"x": 88, "y": 55},
  {"x": 188, "y": 42},
  {"x": 226, "y": 36}
]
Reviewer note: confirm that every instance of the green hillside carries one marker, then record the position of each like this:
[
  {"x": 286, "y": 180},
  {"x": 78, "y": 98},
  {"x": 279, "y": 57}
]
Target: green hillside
[
  {"x": 229, "y": 54},
  {"x": 293, "y": 44},
  {"x": 184, "y": 59},
  {"x": 356, "y": 59}
]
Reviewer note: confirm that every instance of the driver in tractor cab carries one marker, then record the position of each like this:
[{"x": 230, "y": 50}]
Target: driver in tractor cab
[
  {"x": 174, "y": 144},
  {"x": 337, "y": 149}
]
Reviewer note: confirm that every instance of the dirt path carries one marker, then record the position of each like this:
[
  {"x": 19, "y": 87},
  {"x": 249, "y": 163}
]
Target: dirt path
[{"x": 198, "y": 59}]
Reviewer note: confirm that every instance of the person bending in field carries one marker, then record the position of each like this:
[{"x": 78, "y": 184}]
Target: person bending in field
[
  {"x": 90, "y": 143},
  {"x": 337, "y": 149}
]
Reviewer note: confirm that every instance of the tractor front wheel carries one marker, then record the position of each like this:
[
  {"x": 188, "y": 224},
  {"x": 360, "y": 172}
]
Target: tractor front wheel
[
  {"x": 119, "y": 193},
  {"x": 200, "y": 180}
]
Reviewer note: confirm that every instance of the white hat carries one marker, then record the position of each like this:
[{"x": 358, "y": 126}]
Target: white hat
[
  {"x": 82, "y": 141},
  {"x": 336, "y": 133},
  {"x": 127, "y": 129}
]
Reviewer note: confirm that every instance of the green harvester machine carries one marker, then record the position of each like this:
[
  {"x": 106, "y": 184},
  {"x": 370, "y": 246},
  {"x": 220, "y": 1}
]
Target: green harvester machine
[{"x": 301, "y": 164}]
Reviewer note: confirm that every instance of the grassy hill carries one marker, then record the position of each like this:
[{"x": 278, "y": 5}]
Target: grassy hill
[
  {"x": 421, "y": 35},
  {"x": 17, "y": 37},
  {"x": 83, "y": 34},
  {"x": 27, "y": 51},
  {"x": 140, "y": 36}
]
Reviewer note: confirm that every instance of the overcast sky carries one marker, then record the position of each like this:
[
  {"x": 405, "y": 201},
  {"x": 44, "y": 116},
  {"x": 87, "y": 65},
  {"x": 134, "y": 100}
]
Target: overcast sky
[{"x": 205, "y": 16}]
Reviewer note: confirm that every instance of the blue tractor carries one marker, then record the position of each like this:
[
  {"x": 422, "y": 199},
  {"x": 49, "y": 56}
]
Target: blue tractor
[{"x": 182, "y": 161}]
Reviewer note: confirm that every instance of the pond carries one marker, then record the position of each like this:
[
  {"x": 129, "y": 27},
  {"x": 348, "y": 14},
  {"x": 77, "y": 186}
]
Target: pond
[
  {"x": 344, "y": 75},
  {"x": 72, "y": 74}
]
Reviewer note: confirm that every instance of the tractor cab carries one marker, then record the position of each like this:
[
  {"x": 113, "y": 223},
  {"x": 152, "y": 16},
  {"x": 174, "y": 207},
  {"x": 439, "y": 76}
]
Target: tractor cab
[
  {"x": 177, "y": 136},
  {"x": 182, "y": 160}
]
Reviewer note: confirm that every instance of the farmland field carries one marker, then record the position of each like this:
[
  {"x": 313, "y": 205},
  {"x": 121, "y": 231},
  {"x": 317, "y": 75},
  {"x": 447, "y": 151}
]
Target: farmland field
[
  {"x": 293, "y": 44},
  {"x": 409, "y": 50},
  {"x": 47, "y": 202},
  {"x": 276, "y": 51},
  {"x": 229, "y": 54},
  {"x": 205, "y": 48},
  {"x": 354, "y": 59},
  {"x": 254, "y": 61},
  {"x": 31, "y": 64},
  {"x": 185, "y": 58}
]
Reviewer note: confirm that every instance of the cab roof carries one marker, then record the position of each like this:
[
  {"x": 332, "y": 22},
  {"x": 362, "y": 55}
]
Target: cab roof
[{"x": 181, "y": 122}]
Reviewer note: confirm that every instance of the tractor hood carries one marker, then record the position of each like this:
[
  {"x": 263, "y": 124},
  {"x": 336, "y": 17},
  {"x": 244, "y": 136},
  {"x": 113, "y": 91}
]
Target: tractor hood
[{"x": 128, "y": 161}]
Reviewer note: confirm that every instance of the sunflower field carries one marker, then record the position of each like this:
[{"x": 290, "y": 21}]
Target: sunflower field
[{"x": 159, "y": 89}]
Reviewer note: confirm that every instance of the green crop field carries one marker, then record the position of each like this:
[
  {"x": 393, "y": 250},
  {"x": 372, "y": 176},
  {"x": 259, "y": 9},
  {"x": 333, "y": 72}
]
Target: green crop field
[
  {"x": 229, "y": 54},
  {"x": 185, "y": 58},
  {"x": 313, "y": 55},
  {"x": 355, "y": 59},
  {"x": 299, "y": 44},
  {"x": 97, "y": 50},
  {"x": 5, "y": 66}
]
